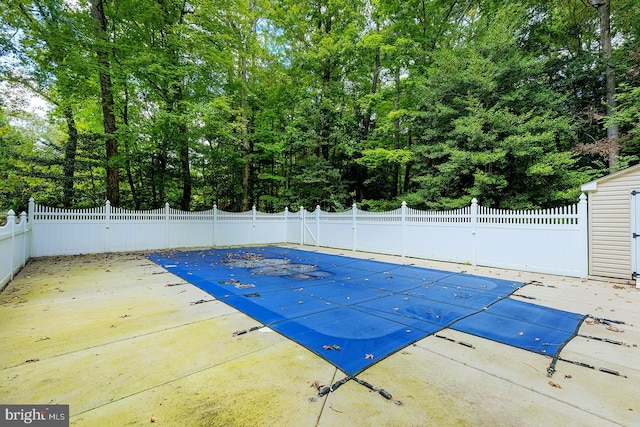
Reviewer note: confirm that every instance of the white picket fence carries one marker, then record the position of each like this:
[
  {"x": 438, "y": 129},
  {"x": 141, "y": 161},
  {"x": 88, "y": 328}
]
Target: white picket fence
[
  {"x": 544, "y": 241},
  {"x": 15, "y": 246}
]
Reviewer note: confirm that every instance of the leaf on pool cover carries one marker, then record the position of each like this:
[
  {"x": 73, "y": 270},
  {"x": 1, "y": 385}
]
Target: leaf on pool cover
[{"x": 331, "y": 347}]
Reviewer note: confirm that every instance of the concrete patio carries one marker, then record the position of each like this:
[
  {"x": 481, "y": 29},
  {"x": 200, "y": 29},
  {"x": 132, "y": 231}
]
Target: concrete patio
[{"x": 122, "y": 342}]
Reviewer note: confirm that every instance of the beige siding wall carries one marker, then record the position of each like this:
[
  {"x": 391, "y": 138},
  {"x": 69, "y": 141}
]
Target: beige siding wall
[{"x": 610, "y": 226}]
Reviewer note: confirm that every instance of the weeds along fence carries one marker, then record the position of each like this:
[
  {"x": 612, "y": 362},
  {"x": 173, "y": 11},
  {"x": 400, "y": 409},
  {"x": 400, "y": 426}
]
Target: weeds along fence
[{"x": 545, "y": 241}]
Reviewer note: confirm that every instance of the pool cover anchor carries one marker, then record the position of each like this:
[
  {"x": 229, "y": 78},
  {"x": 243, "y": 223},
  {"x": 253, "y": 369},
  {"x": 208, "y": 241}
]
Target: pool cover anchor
[
  {"x": 202, "y": 301},
  {"x": 587, "y": 365},
  {"x": 324, "y": 390},
  {"x": 466, "y": 344},
  {"x": 607, "y": 322},
  {"x": 607, "y": 340},
  {"x": 244, "y": 331},
  {"x": 525, "y": 296},
  {"x": 552, "y": 367}
]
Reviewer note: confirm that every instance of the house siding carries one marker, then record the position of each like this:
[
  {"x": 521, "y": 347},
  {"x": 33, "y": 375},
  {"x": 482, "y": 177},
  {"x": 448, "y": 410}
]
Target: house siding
[{"x": 610, "y": 225}]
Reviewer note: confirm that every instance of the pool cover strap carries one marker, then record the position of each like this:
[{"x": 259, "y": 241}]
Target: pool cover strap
[{"x": 324, "y": 390}]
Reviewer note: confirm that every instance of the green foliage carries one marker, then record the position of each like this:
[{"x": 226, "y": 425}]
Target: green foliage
[{"x": 288, "y": 103}]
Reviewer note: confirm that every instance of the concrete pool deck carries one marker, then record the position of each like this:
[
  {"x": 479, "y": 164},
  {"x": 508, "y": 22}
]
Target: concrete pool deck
[{"x": 121, "y": 341}]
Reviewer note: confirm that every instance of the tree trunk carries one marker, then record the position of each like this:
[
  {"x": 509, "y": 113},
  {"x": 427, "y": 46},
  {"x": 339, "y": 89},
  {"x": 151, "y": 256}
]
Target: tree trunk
[
  {"x": 246, "y": 143},
  {"x": 69, "y": 165},
  {"x": 407, "y": 170},
  {"x": 106, "y": 90},
  {"x": 396, "y": 125},
  {"x": 175, "y": 106},
  {"x": 127, "y": 147},
  {"x": 366, "y": 125},
  {"x": 604, "y": 14},
  {"x": 374, "y": 88},
  {"x": 185, "y": 168}
]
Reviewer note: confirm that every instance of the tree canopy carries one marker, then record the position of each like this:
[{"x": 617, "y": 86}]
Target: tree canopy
[{"x": 317, "y": 102}]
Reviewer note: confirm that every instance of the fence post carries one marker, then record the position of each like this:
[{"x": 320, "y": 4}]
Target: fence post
[
  {"x": 354, "y": 229},
  {"x": 403, "y": 225},
  {"x": 166, "y": 225},
  {"x": 107, "y": 226},
  {"x": 11, "y": 222},
  {"x": 286, "y": 224},
  {"x": 23, "y": 223},
  {"x": 317, "y": 225},
  {"x": 253, "y": 223},
  {"x": 32, "y": 215},
  {"x": 474, "y": 231},
  {"x": 215, "y": 223},
  {"x": 584, "y": 235},
  {"x": 32, "y": 209},
  {"x": 302, "y": 219}
]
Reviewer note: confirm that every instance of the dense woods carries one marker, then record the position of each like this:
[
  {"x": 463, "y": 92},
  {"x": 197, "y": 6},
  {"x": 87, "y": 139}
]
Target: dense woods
[{"x": 316, "y": 102}]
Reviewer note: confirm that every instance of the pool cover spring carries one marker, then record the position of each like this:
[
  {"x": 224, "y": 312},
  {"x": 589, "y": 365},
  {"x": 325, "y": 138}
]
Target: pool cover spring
[{"x": 354, "y": 312}]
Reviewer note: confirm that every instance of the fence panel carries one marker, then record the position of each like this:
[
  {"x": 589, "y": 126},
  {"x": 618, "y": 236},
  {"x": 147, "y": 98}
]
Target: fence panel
[
  {"x": 233, "y": 228},
  {"x": 15, "y": 246},
  {"x": 69, "y": 232},
  {"x": 546, "y": 241},
  {"x": 380, "y": 232},
  {"x": 333, "y": 229},
  {"x": 131, "y": 230},
  {"x": 440, "y": 235}
]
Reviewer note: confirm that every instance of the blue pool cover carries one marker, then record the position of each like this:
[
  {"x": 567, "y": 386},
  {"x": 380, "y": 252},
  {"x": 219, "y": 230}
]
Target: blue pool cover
[{"x": 354, "y": 312}]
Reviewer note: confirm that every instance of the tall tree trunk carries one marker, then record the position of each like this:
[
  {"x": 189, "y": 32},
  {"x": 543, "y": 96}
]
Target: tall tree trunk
[
  {"x": 374, "y": 88},
  {"x": 185, "y": 167},
  {"x": 366, "y": 125},
  {"x": 182, "y": 141},
  {"x": 106, "y": 90},
  {"x": 407, "y": 170},
  {"x": 128, "y": 154},
  {"x": 604, "y": 14},
  {"x": 69, "y": 165},
  {"x": 246, "y": 142},
  {"x": 396, "y": 125}
]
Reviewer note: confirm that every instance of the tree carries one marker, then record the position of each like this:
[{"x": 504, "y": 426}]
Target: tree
[
  {"x": 604, "y": 15},
  {"x": 106, "y": 89},
  {"x": 489, "y": 125}
]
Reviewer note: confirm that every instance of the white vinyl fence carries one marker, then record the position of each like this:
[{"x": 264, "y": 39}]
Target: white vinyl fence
[
  {"x": 545, "y": 241},
  {"x": 15, "y": 246},
  {"x": 109, "y": 229}
]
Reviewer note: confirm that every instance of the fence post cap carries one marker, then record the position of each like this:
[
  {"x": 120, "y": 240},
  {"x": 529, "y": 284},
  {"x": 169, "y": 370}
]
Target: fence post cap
[
  {"x": 583, "y": 197},
  {"x": 108, "y": 202},
  {"x": 31, "y": 199},
  {"x": 11, "y": 213},
  {"x": 474, "y": 201}
]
